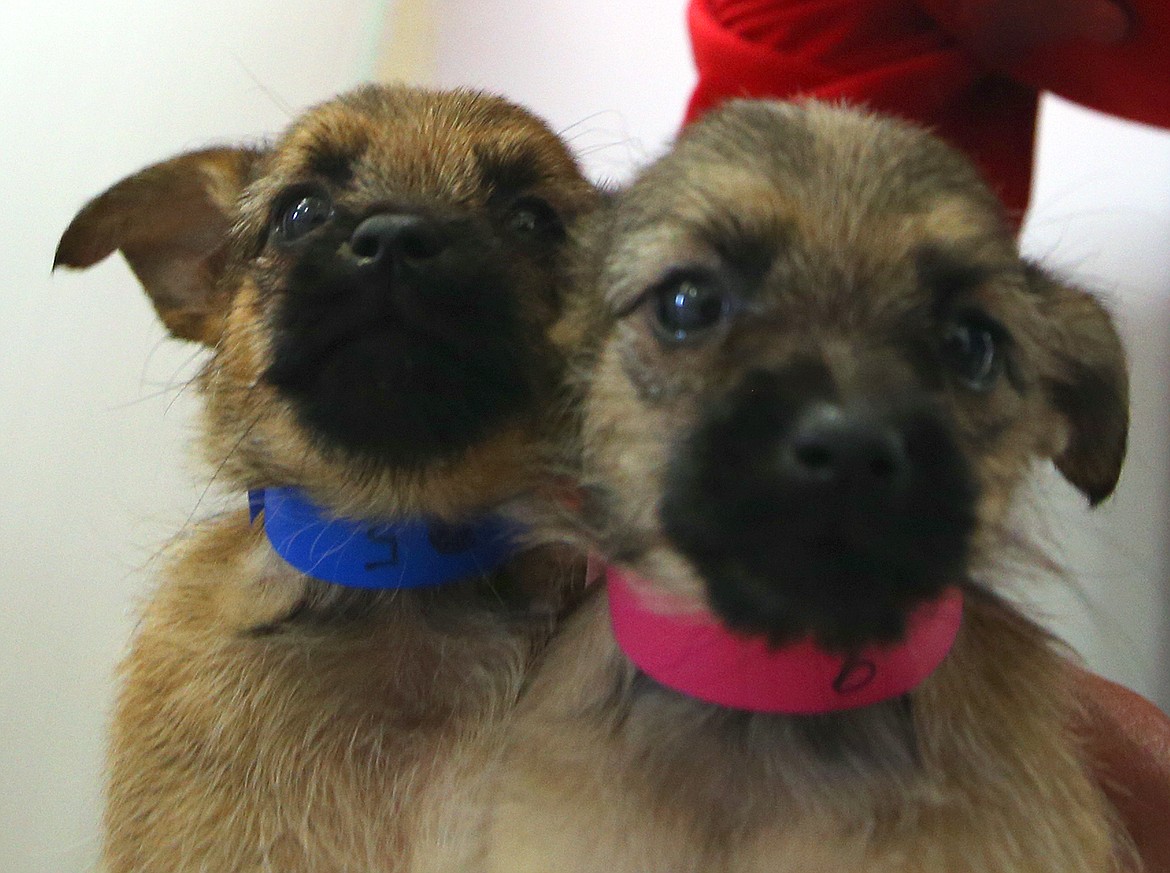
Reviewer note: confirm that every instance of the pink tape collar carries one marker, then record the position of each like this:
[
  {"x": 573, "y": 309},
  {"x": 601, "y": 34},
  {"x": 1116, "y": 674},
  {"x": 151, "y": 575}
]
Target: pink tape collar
[{"x": 694, "y": 654}]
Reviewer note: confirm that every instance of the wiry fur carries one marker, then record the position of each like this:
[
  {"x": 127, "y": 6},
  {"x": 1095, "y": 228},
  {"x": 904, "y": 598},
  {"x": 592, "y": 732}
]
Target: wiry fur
[
  {"x": 829, "y": 223},
  {"x": 266, "y": 720}
]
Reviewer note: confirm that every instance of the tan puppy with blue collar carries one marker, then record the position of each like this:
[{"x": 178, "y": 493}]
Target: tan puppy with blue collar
[
  {"x": 815, "y": 373},
  {"x": 376, "y": 291}
]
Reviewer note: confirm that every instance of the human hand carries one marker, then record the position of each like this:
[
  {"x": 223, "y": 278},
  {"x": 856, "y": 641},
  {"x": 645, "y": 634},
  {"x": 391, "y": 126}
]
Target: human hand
[{"x": 1129, "y": 740}]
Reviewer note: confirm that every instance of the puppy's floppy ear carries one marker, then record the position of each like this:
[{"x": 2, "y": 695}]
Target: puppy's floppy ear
[
  {"x": 1088, "y": 384},
  {"x": 171, "y": 222}
]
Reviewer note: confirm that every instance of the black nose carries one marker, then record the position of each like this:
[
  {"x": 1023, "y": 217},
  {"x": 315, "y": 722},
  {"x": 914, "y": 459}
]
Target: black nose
[
  {"x": 399, "y": 240},
  {"x": 837, "y": 448}
]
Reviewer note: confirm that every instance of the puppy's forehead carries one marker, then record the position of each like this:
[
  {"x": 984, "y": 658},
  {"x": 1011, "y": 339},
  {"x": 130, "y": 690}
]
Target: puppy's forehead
[
  {"x": 757, "y": 180},
  {"x": 453, "y": 143}
]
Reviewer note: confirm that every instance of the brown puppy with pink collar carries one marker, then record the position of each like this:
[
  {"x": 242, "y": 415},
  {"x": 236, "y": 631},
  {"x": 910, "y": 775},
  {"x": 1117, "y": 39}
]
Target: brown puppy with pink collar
[{"x": 815, "y": 375}]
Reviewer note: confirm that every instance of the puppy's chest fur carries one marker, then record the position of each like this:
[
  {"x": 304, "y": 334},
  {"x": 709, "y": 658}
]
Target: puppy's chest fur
[
  {"x": 336, "y": 747},
  {"x": 978, "y": 771}
]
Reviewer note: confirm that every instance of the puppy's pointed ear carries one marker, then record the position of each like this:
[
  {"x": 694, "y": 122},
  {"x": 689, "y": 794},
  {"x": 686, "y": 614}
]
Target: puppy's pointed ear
[
  {"x": 171, "y": 222},
  {"x": 1088, "y": 384}
]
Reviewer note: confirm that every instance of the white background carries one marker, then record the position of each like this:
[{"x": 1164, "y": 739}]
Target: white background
[
  {"x": 93, "y": 427},
  {"x": 94, "y": 424}
]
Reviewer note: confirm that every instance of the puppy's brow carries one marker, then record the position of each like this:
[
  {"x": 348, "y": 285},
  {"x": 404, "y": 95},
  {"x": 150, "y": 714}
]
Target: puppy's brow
[
  {"x": 948, "y": 274},
  {"x": 745, "y": 248},
  {"x": 333, "y": 163},
  {"x": 510, "y": 173}
]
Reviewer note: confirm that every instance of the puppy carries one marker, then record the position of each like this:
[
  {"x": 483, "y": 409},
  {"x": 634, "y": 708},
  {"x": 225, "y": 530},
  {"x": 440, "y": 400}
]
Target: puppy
[
  {"x": 816, "y": 372},
  {"x": 376, "y": 291}
]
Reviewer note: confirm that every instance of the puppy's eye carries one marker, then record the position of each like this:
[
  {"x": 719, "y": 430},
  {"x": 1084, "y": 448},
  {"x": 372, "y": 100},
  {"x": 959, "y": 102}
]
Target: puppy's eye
[
  {"x": 534, "y": 218},
  {"x": 300, "y": 213},
  {"x": 687, "y": 307},
  {"x": 971, "y": 348}
]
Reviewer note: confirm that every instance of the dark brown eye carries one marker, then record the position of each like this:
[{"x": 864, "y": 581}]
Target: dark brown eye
[
  {"x": 534, "y": 218},
  {"x": 970, "y": 347},
  {"x": 300, "y": 213},
  {"x": 686, "y": 307}
]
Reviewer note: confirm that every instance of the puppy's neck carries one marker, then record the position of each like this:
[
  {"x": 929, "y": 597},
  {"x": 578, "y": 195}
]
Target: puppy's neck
[
  {"x": 693, "y": 653},
  {"x": 733, "y": 771},
  {"x": 378, "y": 553}
]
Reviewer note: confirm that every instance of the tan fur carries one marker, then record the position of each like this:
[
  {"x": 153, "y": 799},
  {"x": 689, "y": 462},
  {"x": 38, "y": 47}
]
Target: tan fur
[
  {"x": 607, "y": 772},
  {"x": 268, "y": 721},
  {"x": 605, "y": 778}
]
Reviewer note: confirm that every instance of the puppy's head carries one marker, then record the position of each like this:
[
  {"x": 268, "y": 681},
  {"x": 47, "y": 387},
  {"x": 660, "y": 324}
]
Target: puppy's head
[
  {"x": 821, "y": 370},
  {"x": 376, "y": 289}
]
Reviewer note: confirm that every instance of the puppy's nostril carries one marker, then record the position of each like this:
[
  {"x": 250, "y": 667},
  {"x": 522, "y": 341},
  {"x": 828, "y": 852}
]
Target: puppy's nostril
[
  {"x": 420, "y": 242},
  {"x": 396, "y": 239},
  {"x": 815, "y": 458},
  {"x": 367, "y": 246},
  {"x": 882, "y": 466}
]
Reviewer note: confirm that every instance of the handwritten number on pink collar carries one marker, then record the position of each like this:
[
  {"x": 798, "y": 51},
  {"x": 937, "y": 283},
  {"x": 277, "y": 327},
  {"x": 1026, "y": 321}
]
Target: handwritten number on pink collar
[{"x": 856, "y": 673}]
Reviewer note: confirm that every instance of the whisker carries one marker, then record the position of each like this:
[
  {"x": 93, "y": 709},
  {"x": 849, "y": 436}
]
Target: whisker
[{"x": 279, "y": 102}]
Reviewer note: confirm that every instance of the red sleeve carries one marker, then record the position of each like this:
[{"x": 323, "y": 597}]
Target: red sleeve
[{"x": 886, "y": 54}]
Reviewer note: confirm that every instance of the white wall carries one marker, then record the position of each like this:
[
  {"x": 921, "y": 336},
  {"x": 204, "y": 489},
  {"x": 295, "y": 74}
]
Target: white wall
[
  {"x": 1101, "y": 215},
  {"x": 93, "y": 424},
  {"x": 612, "y": 76}
]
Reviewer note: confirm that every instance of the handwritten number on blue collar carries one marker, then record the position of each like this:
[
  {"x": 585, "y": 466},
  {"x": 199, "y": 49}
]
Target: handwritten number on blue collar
[{"x": 408, "y": 553}]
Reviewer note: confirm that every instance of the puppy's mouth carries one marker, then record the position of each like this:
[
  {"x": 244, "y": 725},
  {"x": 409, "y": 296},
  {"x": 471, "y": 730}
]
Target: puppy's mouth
[
  {"x": 303, "y": 360},
  {"x": 805, "y": 516},
  {"x": 403, "y": 366}
]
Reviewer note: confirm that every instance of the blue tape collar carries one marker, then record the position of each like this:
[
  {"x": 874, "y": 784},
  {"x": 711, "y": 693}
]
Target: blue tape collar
[{"x": 412, "y": 553}]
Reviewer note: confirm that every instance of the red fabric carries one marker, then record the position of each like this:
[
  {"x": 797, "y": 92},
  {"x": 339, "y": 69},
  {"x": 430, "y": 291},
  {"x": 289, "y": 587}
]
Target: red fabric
[
  {"x": 885, "y": 54},
  {"x": 1130, "y": 79},
  {"x": 892, "y": 56}
]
